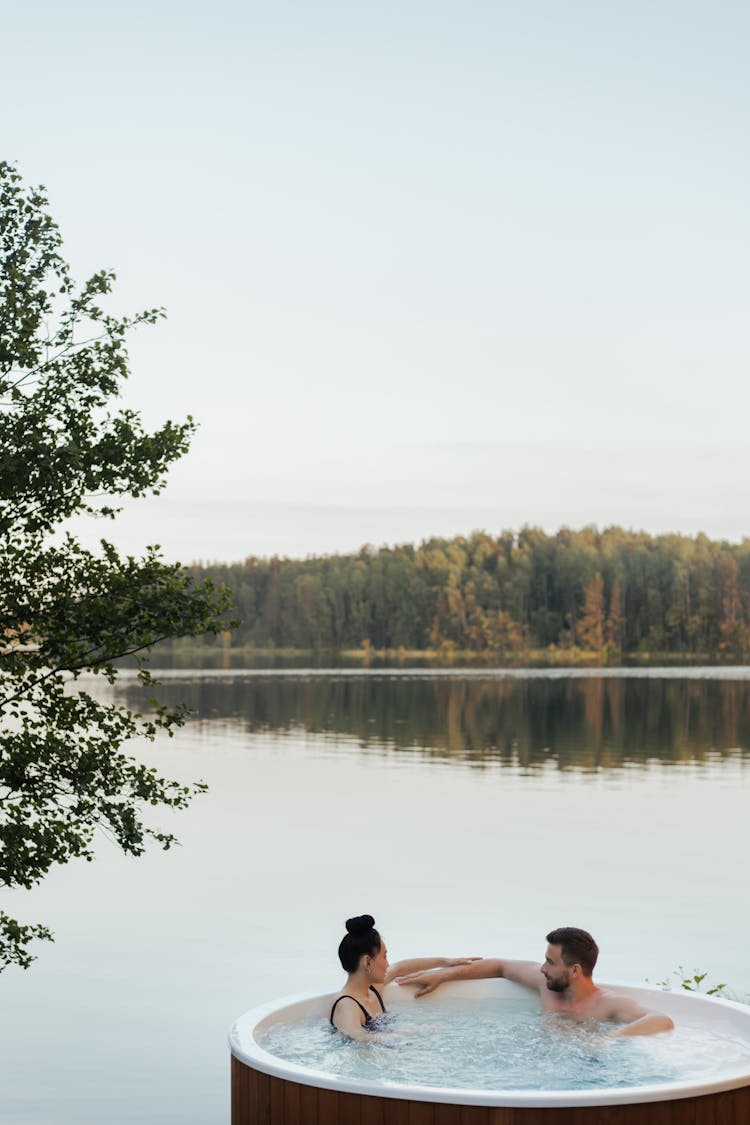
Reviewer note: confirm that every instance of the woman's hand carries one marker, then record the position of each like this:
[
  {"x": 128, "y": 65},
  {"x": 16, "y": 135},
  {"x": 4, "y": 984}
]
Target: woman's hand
[
  {"x": 424, "y": 964},
  {"x": 423, "y": 982},
  {"x": 460, "y": 968}
]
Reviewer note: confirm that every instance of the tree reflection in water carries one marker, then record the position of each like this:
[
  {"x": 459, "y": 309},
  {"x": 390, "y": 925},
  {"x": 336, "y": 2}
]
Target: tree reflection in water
[{"x": 582, "y": 723}]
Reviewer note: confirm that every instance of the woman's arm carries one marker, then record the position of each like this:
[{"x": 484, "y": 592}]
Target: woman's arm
[{"x": 423, "y": 964}]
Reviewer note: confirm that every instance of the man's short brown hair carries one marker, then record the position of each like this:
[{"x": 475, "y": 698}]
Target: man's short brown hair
[{"x": 576, "y": 946}]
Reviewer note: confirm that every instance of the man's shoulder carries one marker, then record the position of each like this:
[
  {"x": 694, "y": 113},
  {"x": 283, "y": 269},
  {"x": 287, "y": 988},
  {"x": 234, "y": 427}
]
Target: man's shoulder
[{"x": 615, "y": 1005}]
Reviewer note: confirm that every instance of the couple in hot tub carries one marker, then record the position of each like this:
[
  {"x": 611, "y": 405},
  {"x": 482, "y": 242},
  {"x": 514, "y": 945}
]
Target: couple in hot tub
[{"x": 564, "y": 981}]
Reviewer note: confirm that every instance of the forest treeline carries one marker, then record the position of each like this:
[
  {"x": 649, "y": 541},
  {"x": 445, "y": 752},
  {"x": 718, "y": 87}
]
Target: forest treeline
[{"x": 610, "y": 593}]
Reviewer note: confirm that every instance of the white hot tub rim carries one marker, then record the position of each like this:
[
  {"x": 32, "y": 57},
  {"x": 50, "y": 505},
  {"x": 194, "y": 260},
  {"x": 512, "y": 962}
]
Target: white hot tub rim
[{"x": 246, "y": 1049}]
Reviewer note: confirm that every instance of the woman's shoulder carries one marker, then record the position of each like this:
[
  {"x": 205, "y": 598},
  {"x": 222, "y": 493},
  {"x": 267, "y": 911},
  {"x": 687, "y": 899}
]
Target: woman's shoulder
[{"x": 345, "y": 996}]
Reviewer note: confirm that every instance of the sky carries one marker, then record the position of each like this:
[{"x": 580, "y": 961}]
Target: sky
[{"x": 428, "y": 268}]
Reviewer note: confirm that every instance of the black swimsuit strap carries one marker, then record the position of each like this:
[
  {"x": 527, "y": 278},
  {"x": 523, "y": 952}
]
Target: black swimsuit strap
[
  {"x": 380, "y": 998},
  {"x": 361, "y": 1007}
]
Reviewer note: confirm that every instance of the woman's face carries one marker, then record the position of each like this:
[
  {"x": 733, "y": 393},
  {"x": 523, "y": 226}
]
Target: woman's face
[{"x": 378, "y": 964}]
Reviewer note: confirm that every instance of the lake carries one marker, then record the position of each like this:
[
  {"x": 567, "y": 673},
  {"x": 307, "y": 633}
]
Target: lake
[{"x": 470, "y": 811}]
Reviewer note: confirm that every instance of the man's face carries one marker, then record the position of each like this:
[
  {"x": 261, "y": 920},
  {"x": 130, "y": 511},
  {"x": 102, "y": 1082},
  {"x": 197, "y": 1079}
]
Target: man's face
[{"x": 554, "y": 970}]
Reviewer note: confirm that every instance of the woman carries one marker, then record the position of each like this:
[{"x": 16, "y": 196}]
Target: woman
[{"x": 364, "y": 958}]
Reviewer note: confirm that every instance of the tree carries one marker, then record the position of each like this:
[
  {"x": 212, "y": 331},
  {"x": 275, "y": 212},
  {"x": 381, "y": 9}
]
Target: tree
[
  {"x": 614, "y": 626},
  {"x": 732, "y": 628},
  {"x": 591, "y": 627},
  {"x": 64, "y": 450}
]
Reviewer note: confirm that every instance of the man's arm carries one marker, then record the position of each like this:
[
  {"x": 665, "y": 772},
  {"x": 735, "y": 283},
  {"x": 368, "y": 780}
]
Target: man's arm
[
  {"x": 522, "y": 972},
  {"x": 423, "y": 964},
  {"x": 637, "y": 1020}
]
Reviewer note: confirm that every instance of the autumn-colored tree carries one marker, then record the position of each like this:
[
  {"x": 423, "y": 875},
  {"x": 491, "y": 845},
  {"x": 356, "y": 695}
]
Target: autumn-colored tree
[
  {"x": 504, "y": 634},
  {"x": 591, "y": 624},
  {"x": 614, "y": 626},
  {"x": 733, "y": 629}
]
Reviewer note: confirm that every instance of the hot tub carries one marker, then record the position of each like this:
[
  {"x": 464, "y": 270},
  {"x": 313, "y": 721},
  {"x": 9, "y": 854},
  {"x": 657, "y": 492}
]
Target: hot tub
[{"x": 268, "y": 1089}]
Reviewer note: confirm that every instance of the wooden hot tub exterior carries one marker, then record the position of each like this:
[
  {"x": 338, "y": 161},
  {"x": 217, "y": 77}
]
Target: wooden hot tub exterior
[
  {"x": 269, "y": 1091},
  {"x": 262, "y": 1099}
]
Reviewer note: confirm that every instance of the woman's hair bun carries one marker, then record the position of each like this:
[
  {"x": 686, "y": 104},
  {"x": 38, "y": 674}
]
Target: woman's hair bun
[
  {"x": 361, "y": 939},
  {"x": 360, "y": 925}
]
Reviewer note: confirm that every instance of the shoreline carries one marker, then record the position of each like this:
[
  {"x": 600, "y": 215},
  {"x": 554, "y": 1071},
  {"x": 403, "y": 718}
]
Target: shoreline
[{"x": 189, "y": 653}]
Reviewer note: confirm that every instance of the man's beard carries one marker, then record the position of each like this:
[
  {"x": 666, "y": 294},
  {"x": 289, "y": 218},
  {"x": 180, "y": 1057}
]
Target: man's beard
[{"x": 558, "y": 985}]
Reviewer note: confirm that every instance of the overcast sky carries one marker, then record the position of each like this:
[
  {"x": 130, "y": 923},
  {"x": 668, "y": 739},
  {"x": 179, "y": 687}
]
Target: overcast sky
[{"x": 428, "y": 267}]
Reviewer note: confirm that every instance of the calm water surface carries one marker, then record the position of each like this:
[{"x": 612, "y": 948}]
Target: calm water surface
[{"x": 468, "y": 811}]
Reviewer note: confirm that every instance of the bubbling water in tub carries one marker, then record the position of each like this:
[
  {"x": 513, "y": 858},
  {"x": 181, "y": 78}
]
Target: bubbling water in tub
[{"x": 486, "y": 1045}]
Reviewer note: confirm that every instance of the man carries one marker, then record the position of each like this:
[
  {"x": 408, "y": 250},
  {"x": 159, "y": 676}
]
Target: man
[{"x": 566, "y": 984}]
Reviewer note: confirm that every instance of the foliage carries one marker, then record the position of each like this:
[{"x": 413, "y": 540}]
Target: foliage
[
  {"x": 65, "y": 611},
  {"x": 611, "y": 594},
  {"x": 692, "y": 983}
]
